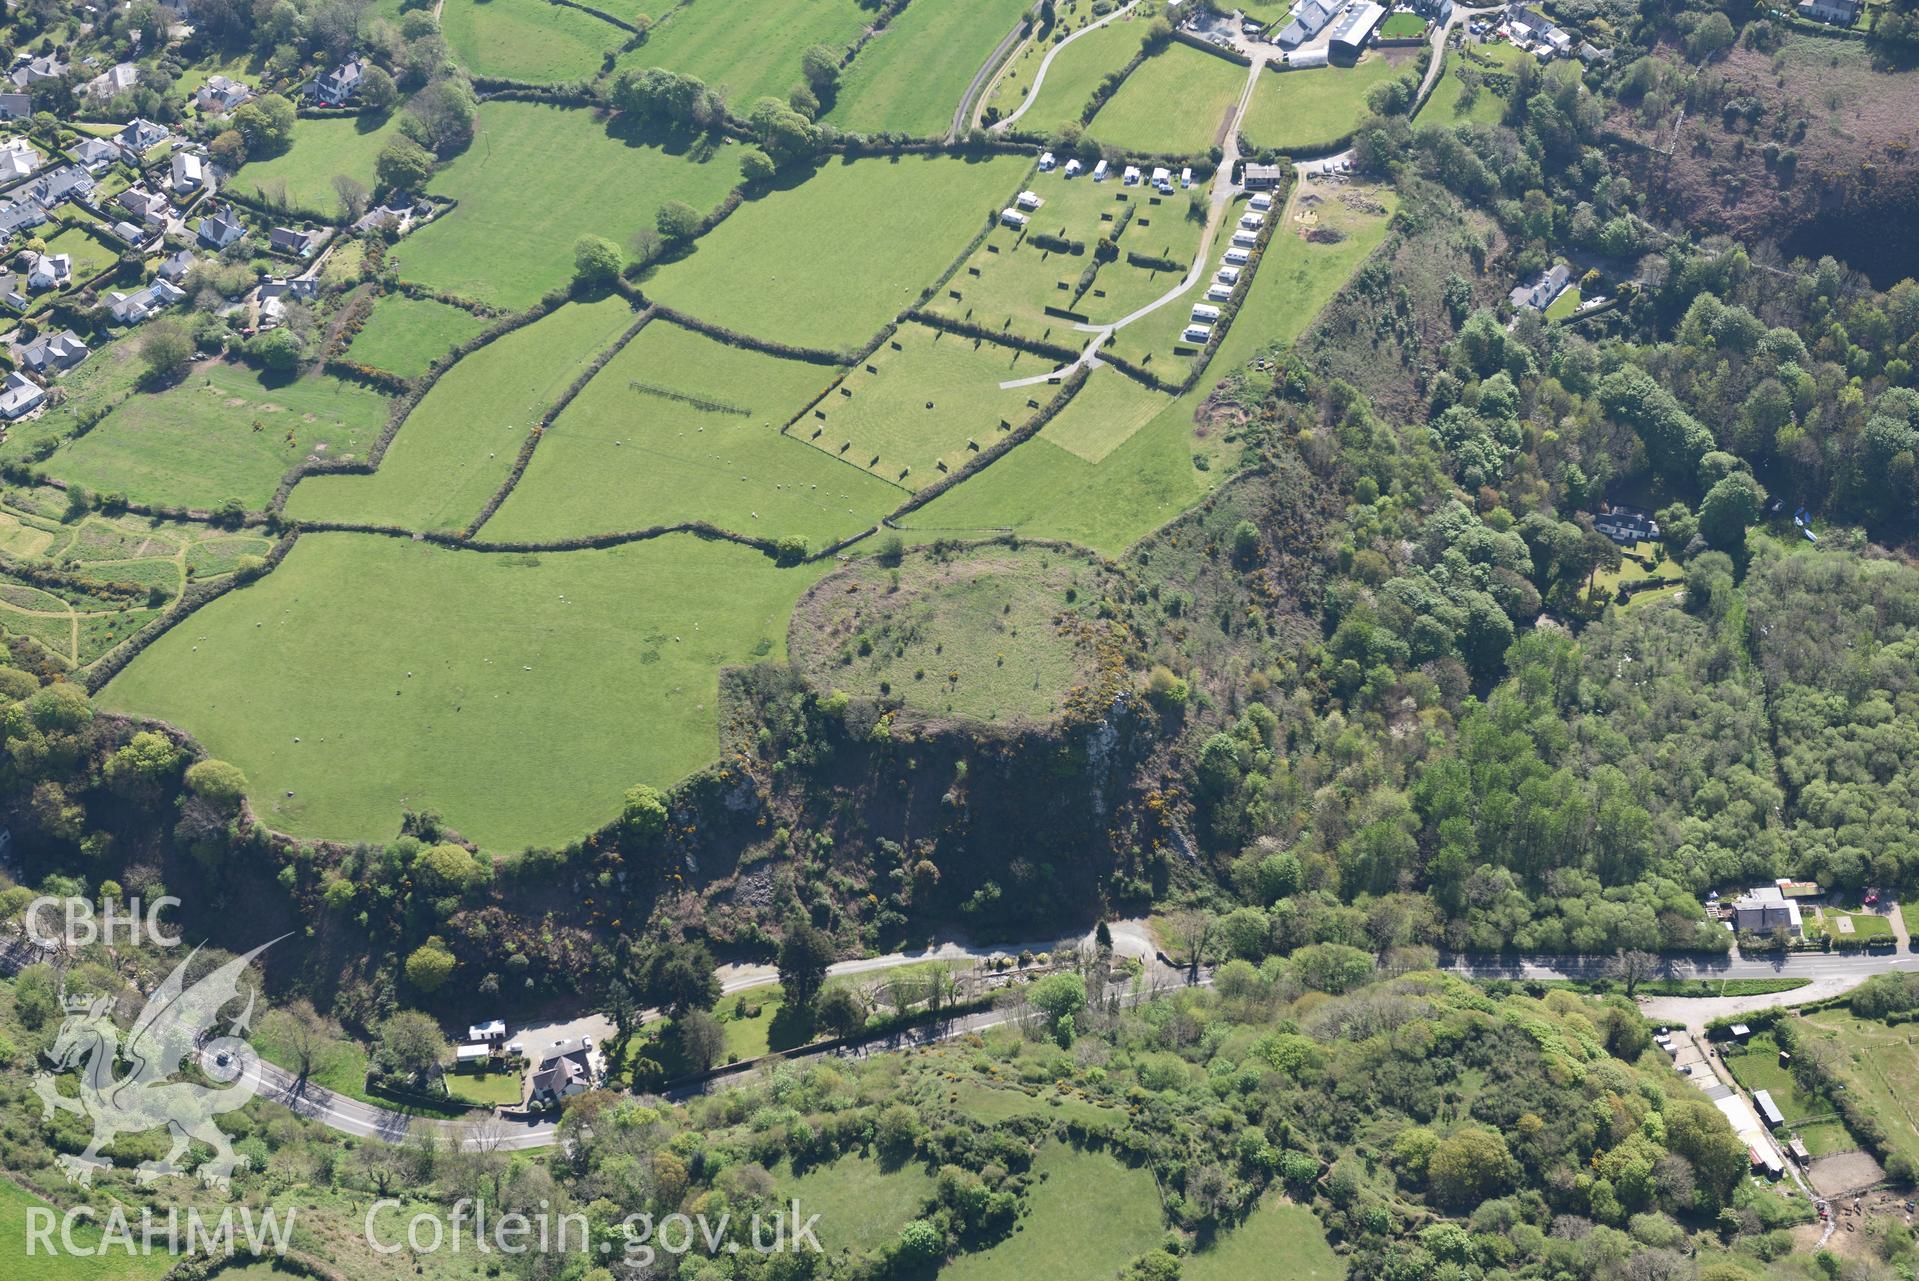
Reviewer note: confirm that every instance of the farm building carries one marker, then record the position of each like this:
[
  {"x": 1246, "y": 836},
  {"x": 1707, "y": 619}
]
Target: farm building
[
  {"x": 1309, "y": 19},
  {"x": 1351, "y": 36}
]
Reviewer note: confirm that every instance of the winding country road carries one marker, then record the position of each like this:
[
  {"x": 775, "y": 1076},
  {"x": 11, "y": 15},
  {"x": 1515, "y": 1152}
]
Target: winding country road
[{"x": 1039, "y": 78}]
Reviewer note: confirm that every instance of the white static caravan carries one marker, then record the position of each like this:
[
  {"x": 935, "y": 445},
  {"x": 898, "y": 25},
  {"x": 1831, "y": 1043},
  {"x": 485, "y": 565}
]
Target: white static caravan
[
  {"x": 1046, "y": 162},
  {"x": 1238, "y": 257},
  {"x": 1028, "y": 200},
  {"x": 1197, "y": 333},
  {"x": 1218, "y": 292},
  {"x": 1229, "y": 275},
  {"x": 1262, "y": 200},
  {"x": 1252, "y": 220},
  {"x": 1013, "y": 218},
  {"x": 1073, "y": 167},
  {"x": 1205, "y": 313},
  {"x": 1245, "y": 239}
]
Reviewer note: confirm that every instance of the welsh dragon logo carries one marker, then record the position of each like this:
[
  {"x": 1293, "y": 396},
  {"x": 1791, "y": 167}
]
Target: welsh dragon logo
[{"x": 171, "y": 1029}]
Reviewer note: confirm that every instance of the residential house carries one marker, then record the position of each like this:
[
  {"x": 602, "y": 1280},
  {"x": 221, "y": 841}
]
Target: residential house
[
  {"x": 48, "y": 271},
  {"x": 1765, "y": 908},
  {"x": 563, "y": 1070},
  {"x": 122, "y": 77},
  {"x": 15, "y": 106},
  {"x": 19, "y": 215},
  {"x": 174, "y": 267},
  {"x": 189, "y": 173},
  {"x": 394, "y": 218},
  {"x": 1265, "y": 177},
  {"x": 20, "y": 395},
  {"x": 221, "y": 93},
  {"x": 53, "y": 352},
  {"x": 336, "y": 86},
  {"x": 131, "y": 232},
  {"x": 1839, "y": 13},
  {"x": 131, "y": 309},
  {"x": 34, "y": 70},
  {"x": 13, "y": 293},
  {"x": 96, "y": 154},
  {"x": 148, "y": 206},
  {"x": 1309, "y": 19},
  {"x": 296, "y": 244},
  {"x": 18, "y": 158},
  {"x": 273, "y": 295},
  {"x": 1540, "y": 294},
  {"x": 221, "y": 229},
  {"x": 139, "y": 137},
  {"x": 68, "y": 182},
  {"x": 1627, "y": 526}
]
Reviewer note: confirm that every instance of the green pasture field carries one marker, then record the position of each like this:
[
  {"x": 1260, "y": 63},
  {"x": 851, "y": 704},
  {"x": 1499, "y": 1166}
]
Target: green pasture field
[
  {"x": 111, "y": 1264},
  {"x": 861, "y": 1204},
  {"x": 460, "y": 442},
  {"x": 923, "y": 405},
  {"x": 829, "y": 262},
  {"x": 518, "y": 695},
  {"x": 1090, "y": 1216},
  {"x": 1043, "y": 491},
  {"x": 324, "y": 147},
  {"x": 1105, "y": 413},
  {"x": 1881, "y": 1062},
  {"x": 1313, "y": 107},
  {"x": 535, "y": 179},
  {"x": 529, "y": 40},
  {"x": 1143, "y": 116},
  {"x": 1070, "y": 81},
  {"x": 1446, "y": 107},
  {"x": 975, "y": 634},
  {"x": 751, "y": 51},
  {"x": 405, "y": 335},
  {"x": 1277, "y": 1230},
  {"x": 910, "y": 78},
  {"x": 1010, "y": 280},
  {"x": 626, "y": 457},
  {"x": 221, "y": 555},
  {"x": 224, "y": 432},
  {"x": 1015, "y": 81}
]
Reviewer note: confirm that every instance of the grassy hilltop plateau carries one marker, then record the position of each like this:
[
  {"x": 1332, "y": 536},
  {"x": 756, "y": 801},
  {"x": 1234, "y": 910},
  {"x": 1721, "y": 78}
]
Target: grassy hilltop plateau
[{"x": 1100, "y": 639}]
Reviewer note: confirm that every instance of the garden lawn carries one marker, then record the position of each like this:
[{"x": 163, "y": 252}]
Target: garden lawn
[
  {"x": 459, "y": 444},
  {"x": 827, "y": 263},
  {"x": 1881, "y": 1062},
  {"x": 531, "y": 40},
  {"x": 1403, "y": 26},
  {"x": 924, "y": 405},
  {"x": 750, "y": 50},
  {"x": 635, "y": 450},
  {"x": 862, "y": 1206},
  {"x": 1042, "y": 490},
  {"x": 1011, "y": 279},
  {"x": 911, "y": 76},
  {"x": 90, "y": 257},
  {"x": 1070, "y": 81},
  {"x": 1089, "y": 1216},
  {"x": 324, "y": 147},
  {"x": 535, "y": 179},
  {"x": 225, "y": 432},
  {"x": 1447, "y": 104},
  {"x": 486, "y": 1089},
  {"x": 1278, "y": 1229},
  {"x": 406, "y": 335},
  {"x": 1566, "y": 304},
  {"x": 112, "y": 1263},
  {"x": 1755, "y": 1065},
  {"x": 1175, "y": 102},
  {"x": 517, "y": 695},
  {"x": 1312, "y": 108}
]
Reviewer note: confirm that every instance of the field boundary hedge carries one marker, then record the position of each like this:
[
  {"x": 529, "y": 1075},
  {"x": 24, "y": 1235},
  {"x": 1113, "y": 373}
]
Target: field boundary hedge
[
  {"x": 558, "y": 407},
  {"x": 1017, "y": 341},
  {"x": 601, "y": 14},
  {"x": 1206, "y": 46},
  {"x": 734, "y": 338}
]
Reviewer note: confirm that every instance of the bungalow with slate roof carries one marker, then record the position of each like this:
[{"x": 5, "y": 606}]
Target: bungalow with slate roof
[
  {"x": 175, "y": 266},
  {"x": 1627, "y": 525},
  {"x": 1540, "y": 294},
  {"x": 189, "y": 172},
  {"x": 96, "y": 154},
  {"x": 15, "y": 106},
  {"x": 139, "y": 137},
  {"x": 221, "y": 93},
  {"x": 394, "y": 218},
  {"x": 13, "y": 292},
  {"x": 336, "y": 86},
  {"x": 58, "y": 351},
  {"x": 222, "y": 229},
  {"x": 296, "y": 244},
  {"x": 131, "y": 309},
  {"x": 147, "y": 206},
  {"x": 60, "y": 184},
  {"x": 18, "y": 158},
  {"x": 34, "y": 70},
  {"x": 122, "y": 77},
  {"x": 1309, "y": 19},
  {"x": 18, "y": 215},
  {"x": 20, "y": 395}
]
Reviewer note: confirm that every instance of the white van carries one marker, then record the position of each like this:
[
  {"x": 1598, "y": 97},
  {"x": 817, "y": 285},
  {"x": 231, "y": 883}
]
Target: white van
[{"x": 1099, "y": 172}]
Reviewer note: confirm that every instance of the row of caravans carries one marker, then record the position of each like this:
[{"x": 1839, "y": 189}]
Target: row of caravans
[{"x": 1239, "y": 253}]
